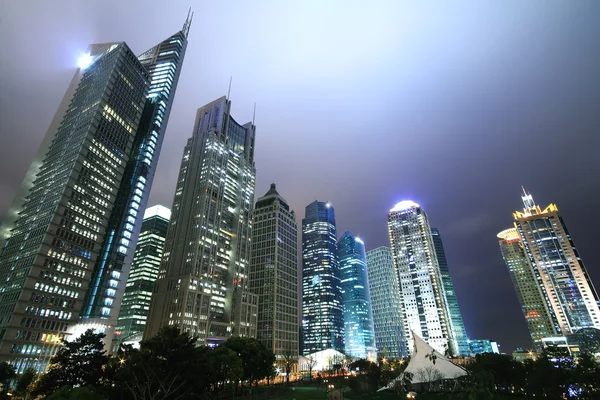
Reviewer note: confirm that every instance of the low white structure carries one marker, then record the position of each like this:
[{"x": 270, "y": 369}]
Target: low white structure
[
  {"x": 424, "y": 369},
  {"x": 322, "y": 360}
]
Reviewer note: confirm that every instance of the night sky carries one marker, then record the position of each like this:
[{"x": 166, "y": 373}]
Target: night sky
[{"x": 454, "y": 105}]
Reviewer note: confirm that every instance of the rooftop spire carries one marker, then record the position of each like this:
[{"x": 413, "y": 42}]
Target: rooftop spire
[
  {"x": 527, "y": 200},
  {"x": 187, "y": 23}
]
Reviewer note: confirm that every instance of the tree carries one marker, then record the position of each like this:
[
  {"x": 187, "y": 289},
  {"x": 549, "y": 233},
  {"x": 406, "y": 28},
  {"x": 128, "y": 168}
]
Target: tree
[
  {"x": 23, "y": 383},
  {"x": 257, "y": 360},
  {"x": 289, "y": 359},
  {"x": 226, "y": 366},
  {"x": 167, "y": 366},
  {"x": 7, "y": 373},
  {"x": 77, "y": 363},
  {"x": 311, "y": 363}
]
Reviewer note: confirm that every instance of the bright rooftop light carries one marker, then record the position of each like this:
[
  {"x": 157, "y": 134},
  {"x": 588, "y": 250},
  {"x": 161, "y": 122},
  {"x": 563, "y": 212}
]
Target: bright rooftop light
[{"x": 404, "y": 205}]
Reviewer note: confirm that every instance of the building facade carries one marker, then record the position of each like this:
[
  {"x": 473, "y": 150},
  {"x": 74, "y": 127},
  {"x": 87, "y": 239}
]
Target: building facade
[
  {"x": 58, "y": 223},
  {"x": 359, "y": 335},
  {"x": 322, "y": 314},
  {"x": 202, "y": 285},
  {"x": 424, "y": 305},
  {"x": 459, "y": 343},
  {"x": 143, "y": 275},
  {"x": 557, "y": 266},
  {"x": 273, "y": 276},
  {"x": 481, "y": 346},
  {"x": 540, "y": 318},
  {"x": 386, "y": 303},
  {"x": 102, "y": 301}
]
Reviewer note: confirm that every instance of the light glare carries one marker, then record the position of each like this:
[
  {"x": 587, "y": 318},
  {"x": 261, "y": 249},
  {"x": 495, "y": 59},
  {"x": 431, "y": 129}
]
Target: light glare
[
  {"x": 85, "y": 61},
  {"x": 404, "y": 205}
]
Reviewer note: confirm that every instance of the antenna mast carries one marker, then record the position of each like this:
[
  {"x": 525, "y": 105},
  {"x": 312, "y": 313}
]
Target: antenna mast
[{"x": 187, "y": 23}]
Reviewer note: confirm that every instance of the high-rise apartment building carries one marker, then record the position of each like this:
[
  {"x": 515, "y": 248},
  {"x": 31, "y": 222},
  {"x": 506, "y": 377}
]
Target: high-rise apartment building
[
  {"x": 459, "y": 344},
  {"x": 273, "y": 276},
  {"x": 424, "y": 305},
  {"x": 101, "y": 304},
  {"x": 322, "y": 315},
  {"x": 143, "y": 275},
  {"x": 202, "y": 285},
  {"x": 557, "y": 267},
  {"x": 59, "y": 221},
  {"x": 359, "y": 335},
  {"x": 540, "y": 318},
  {"x": 386, "y": 303}
]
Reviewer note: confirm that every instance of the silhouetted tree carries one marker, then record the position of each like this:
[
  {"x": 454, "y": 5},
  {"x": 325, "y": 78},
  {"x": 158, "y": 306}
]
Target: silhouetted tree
[{"x": 78, "y": 363}]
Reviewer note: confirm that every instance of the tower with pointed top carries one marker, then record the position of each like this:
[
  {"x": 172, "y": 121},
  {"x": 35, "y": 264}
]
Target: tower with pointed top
[
  {"x": 555, "y": 263},
  {"x": 202, "y": 286},
  {"x": 163, "y": 63},
  {"x": 69, "y": 235},
  {"x": 273, "y": 277}
]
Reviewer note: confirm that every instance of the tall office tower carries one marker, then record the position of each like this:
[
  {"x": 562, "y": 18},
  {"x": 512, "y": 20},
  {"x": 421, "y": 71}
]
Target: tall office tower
[
  {"x": 322, "y": 315},
  {"x": 386, "y": 303},
  {"x": 459, "y": 344},
  {"x": 202, "y": 284},
  {"x": 540, "y": 318},
  {"x": 58, "y": 222},
  {"x": 424, "y": 304},
  {"x": 102, "y": 301},
  {"x": 359, "y": 335},
  {"x": 274, "y": 275},
  {"x": 557, "y": 266},
  {"x": 143, "y": 275}
]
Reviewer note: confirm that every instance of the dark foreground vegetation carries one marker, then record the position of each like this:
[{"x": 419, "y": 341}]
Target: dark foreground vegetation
[{"x": 171, "y": 366}]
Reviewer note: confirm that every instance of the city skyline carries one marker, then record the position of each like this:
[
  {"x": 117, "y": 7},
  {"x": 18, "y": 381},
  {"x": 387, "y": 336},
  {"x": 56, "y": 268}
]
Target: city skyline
[{"x": 463, "y": 107}]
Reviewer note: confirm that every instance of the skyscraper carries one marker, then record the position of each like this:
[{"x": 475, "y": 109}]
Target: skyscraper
[
  {"x": 540, "y": 318},
  {"x": 386, "y": 303},
  {"x": 202, "y": 285},
  {"x": 557, "y": 266},
  {"x": 143, "y": 275},
  {"x": 359, "y": 335},
  {"x": 322, "y": 315},
  {"x": 424, "y": 304},
  {"x": 101, "y": 304},
  {"x": 273, "y": 276},
  {"x": 459, "y": 344},
  {"x": 58, "y": 223}
]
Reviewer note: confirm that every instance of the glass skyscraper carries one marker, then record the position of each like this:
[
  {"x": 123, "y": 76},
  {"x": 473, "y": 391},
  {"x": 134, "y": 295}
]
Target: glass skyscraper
[
  {"x": 459, "y": 344},
  {"x": 273, "y": 276},
  {"x": 202, "y": 285},
  {"x": 58, "y": 224},
  {"x": 540, "y": 318},
  {"x": 424, "y": 304},
  {"x": 557, "y": 266},
  {"x": 101, "y": 304},
  {"x": 143, "y": 275},
  {"x": 359, "y": 335},
  {"x": 322, "y": 315},
  {"x": 386, "y": 303}
]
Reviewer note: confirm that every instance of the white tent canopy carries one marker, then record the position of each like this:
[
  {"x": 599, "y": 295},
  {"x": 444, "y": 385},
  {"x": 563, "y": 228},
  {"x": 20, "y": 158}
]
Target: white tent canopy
[{"x": 423, "y": 367}]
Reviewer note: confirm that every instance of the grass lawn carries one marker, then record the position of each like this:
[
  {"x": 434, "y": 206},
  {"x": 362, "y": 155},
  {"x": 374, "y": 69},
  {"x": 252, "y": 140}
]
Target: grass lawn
[{"x": 316, "y": 392}]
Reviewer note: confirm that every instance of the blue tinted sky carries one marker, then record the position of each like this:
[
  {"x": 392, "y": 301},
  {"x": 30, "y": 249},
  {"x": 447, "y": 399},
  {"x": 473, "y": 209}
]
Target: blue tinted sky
[{"x": 451, "y": 104}]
